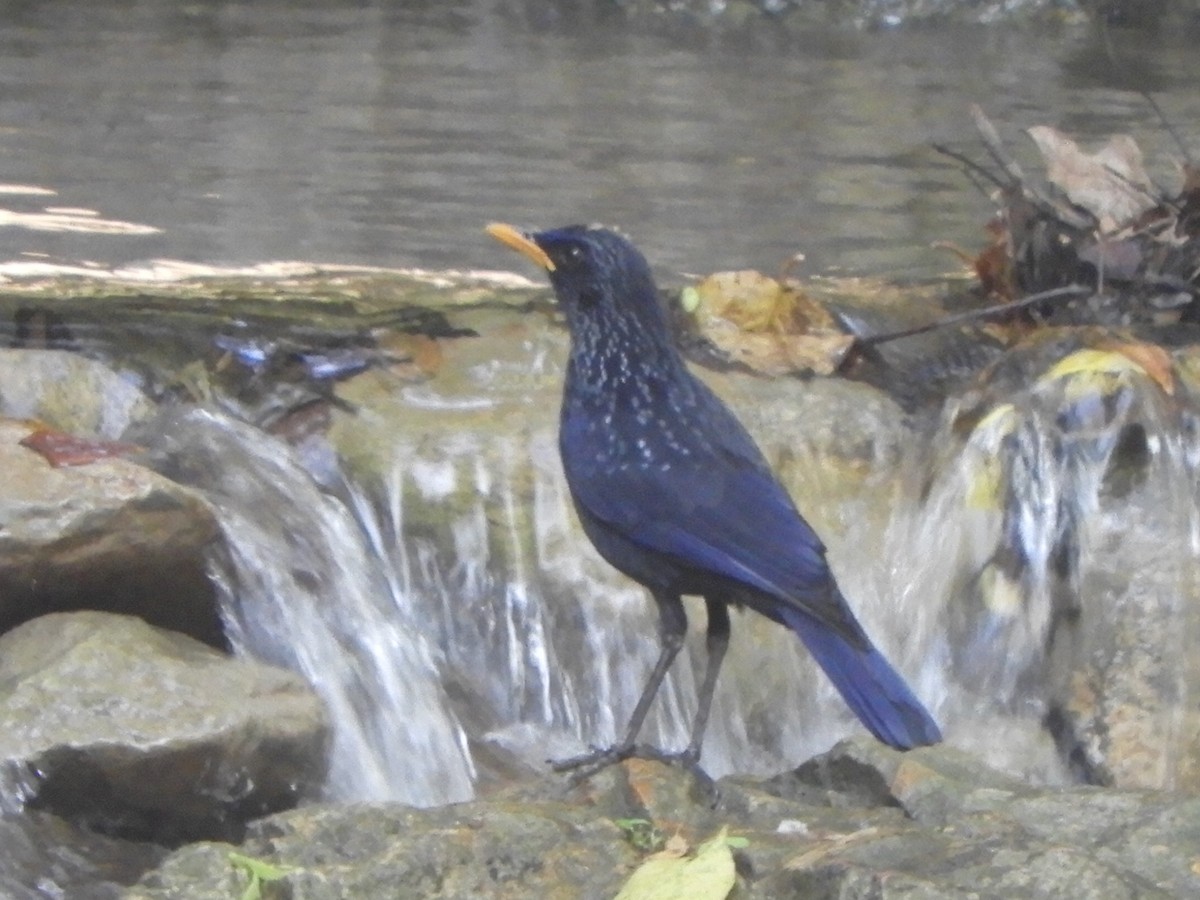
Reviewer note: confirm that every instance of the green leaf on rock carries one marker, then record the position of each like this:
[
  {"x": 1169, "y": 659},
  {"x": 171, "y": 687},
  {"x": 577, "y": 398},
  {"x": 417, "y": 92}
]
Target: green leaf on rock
[
  {"x": 259, "y": 871},
  {"x": 642, "y": 834}
]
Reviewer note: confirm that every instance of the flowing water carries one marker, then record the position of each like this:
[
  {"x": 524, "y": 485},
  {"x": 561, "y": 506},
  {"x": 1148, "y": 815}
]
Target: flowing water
[
  {"x": 303, "y": 588},
  {"x": 1064, "y": 508},
  {"x": 452, "y": 615},
  {"x": 449, "y": 611}
]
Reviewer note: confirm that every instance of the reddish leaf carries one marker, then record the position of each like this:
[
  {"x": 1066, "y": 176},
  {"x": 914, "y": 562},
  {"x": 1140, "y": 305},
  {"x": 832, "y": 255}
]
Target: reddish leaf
[{"x": 62, "y": 449}]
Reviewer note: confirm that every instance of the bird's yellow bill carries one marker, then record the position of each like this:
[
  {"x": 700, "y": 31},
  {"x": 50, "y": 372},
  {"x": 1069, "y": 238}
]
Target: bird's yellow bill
[{"x": 510, "y": 236}]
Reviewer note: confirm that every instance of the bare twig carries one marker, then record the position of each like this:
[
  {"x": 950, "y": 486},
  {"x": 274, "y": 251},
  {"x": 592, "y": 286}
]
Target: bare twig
[
  {"x": 972, "y": 167},
  {"x": 995, "y": 146},
  {"x": 1045, "y": 204},
  {"x": 1072, "y": 290}
]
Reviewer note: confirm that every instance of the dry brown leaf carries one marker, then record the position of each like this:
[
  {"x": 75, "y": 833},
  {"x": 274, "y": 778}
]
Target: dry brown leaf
[
  {"x": 769, "y": 327},
  {"x": 782, "y": 354},
  {"x": 1153, "y": 359},
  {"x": 676, "y": 847},
  {"x": 1111, "y": 183},
  {"x": 756, "y": 302}
]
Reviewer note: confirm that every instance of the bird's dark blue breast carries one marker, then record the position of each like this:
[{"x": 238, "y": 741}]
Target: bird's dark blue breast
[{"x": 646, "y": 448}]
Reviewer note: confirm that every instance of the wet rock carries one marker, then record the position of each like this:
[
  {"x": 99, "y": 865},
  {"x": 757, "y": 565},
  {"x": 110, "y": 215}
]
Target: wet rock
[
  {"x": 69, "y": 392},
  {"x": 971, "y": 830},
  {"x": 149, "y": 734},
  {"x": 1122, "y": 681},
  {"x": 464, "y": 851},
  {"x": 110, "y": 535},
  {"x": 45, "y": 856},
  {"x": 859, "y": 821},
  {"x": 1122, "y": 708}
]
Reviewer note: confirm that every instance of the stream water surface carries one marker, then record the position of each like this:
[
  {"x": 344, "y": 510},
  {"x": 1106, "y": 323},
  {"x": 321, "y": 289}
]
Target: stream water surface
[{"x": 387, "y": 133}]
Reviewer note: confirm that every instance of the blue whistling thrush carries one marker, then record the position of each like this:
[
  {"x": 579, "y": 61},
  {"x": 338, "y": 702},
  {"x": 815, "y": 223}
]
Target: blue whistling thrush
[{"x": 673, "y": 492}]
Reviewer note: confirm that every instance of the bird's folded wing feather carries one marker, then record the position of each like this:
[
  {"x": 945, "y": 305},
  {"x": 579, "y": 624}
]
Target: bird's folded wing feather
[{"x": 734, "y": 520}]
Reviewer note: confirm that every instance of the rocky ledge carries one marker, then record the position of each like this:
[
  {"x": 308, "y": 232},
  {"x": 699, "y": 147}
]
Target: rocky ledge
[{"x": 859, "y": 821}]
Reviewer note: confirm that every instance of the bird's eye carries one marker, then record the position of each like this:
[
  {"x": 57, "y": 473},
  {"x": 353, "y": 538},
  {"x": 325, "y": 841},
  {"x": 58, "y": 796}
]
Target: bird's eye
[{"x": 574, "y": 253}]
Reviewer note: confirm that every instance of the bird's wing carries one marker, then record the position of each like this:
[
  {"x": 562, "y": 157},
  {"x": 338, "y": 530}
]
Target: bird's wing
[{"x": 728, "y": 516}]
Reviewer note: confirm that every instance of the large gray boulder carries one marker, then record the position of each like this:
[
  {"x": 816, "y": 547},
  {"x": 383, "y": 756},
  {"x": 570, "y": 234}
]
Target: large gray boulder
[
  {"x": 145, "y": 733},
  {"x": 108, "y": 535}
]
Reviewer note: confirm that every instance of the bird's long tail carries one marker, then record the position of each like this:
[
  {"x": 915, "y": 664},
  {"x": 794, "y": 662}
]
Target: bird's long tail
[{"x": 870, "y": 686}]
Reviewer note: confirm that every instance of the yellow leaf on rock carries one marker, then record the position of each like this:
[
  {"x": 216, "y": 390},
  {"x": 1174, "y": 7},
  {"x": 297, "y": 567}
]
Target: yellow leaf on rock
[
  {"x": 1101, "y": 369},
  {"x": 1154, "y": 360},
  {"x": 1091, "y": 362},
  {"x": 985, "y": 473},
  {"x": 709, "y": 875}
]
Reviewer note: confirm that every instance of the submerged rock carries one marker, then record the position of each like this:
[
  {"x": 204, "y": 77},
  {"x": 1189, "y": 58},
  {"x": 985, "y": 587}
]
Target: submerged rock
[
  {"x": 144, "y": 733},
  {"x": 1071, "y": 469}
]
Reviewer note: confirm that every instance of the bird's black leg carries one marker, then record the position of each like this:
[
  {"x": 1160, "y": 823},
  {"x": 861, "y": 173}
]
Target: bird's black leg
[
  {"x": 672, "y": 631},
  {"x": 716, "y": 643}
]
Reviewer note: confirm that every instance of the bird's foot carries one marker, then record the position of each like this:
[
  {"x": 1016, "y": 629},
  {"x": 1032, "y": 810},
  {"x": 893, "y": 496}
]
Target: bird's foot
[{"x": 586, "y": 765}]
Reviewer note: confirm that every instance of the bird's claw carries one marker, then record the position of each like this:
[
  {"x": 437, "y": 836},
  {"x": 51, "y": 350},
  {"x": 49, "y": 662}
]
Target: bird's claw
[{"x": 586, "y": 765}]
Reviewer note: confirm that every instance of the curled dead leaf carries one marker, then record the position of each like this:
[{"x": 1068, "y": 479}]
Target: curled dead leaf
[
  {"x": 1111, "y": 183},
  {"x": 781, "y": 354},
  {"x": 769, "y": 327}
]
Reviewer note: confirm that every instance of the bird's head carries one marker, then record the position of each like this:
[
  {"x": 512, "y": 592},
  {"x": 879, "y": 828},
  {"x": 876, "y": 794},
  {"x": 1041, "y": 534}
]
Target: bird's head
[{"x": 597, "y": 273}]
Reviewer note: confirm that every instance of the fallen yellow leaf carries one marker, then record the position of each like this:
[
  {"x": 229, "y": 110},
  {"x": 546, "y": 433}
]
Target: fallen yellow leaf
[{"x": 709, "y": 875}]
